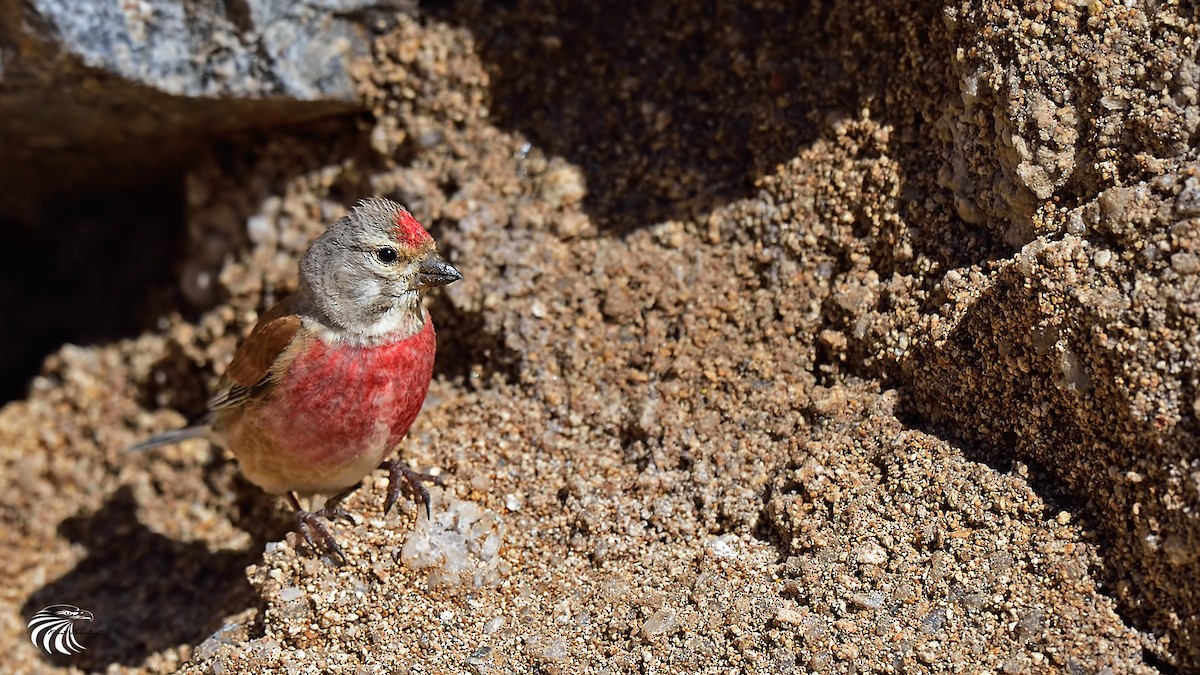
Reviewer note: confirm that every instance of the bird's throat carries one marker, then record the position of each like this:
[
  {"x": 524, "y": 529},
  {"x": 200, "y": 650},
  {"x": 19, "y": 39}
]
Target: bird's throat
[{"x": 399, "y": 322}]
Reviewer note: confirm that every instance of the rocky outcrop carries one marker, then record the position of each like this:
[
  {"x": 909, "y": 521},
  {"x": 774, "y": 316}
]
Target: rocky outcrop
[{"x": 97, "y": 88}]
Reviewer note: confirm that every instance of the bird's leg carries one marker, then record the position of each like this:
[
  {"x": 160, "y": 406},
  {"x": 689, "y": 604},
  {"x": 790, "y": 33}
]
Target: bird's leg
[
  {"x": 312, "y": 528},
  {"x": 333, "y": 505},
  {"x": 399, "y": 474}
]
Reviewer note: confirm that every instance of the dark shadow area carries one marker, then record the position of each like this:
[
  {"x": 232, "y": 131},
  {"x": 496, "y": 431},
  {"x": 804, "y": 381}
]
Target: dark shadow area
[
  {"x": 66, "y": 126},
  {"x": 78, "y": 273},
  {"x": 99, "y": 260},
  {"x": 178, "y": 382},
  {"x": 148, "y": 592},
  {"x": 673, "y": 109},
  {"x": 670, "y": 108},
  {"x": 466, "y": 350}
]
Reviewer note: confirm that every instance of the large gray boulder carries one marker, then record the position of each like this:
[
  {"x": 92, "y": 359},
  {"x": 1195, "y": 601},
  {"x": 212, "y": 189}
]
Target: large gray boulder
[{"x": 128, "y": 84}]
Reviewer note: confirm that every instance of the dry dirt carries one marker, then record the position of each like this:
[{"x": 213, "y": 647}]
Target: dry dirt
[{"x": 837, "y": 339}]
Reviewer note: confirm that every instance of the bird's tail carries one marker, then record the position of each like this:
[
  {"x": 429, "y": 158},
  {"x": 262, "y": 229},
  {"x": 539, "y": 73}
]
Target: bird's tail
[{"x": 170, "y": 437}]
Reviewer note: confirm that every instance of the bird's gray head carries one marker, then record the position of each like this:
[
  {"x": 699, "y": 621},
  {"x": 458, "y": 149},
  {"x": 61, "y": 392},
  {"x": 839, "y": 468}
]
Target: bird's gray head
[{"x": 366, "y": 274}]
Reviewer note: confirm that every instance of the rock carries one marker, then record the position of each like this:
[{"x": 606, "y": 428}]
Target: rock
[
  {"x": 137, "y": 84},
  {"x": 660, "y": 622}
]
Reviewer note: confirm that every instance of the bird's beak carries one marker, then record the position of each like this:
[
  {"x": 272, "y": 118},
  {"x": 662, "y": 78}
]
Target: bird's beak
[
  {"x": 434, "y": 271},
  {"x": 84, "y": 614}
]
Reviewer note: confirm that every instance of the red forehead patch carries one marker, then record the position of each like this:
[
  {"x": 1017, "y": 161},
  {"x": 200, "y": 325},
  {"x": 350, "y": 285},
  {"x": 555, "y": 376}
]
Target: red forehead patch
[{"x": 409, "y": 232}]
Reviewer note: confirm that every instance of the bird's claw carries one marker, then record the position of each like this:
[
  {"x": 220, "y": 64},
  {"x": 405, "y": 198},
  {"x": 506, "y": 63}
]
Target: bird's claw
[
  {"x": 313, "y": 529},
  {"x": 401, "y": 476},
  {"x": 334, "y": 512}
]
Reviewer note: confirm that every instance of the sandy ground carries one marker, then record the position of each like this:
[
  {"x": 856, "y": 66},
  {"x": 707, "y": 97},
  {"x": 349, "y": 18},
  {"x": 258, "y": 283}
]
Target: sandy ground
[{"x": 825, "y": 340}]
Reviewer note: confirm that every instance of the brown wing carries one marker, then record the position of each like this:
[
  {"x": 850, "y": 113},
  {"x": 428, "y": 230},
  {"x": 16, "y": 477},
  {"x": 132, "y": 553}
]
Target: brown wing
[{"x": 248, "y": 376}]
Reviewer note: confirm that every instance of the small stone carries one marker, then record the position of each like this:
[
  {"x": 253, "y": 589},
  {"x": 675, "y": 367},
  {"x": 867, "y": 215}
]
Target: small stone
[
  {"x": 563, "y": 184},
  {"x": 662, "y": 621},
  {"x": 934, "y": 621},
  {"x": 868, "y": 600},
  {"x": 871, "y": 554},
  {"x": 786, "y": 616},
  {"x": 546, "y": 649},
  {"x": 1177, "y": 550},
  {"x": 723, "y": 546},
  {"x": 1185, "y": 263},
  {"x": 459, "y": 546},
  {"x": 260, "y": 229},
  {"x": 571, "y": 225},
  {"x": 1187, "y": 204}
]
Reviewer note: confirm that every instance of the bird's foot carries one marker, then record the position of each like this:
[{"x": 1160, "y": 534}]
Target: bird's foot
[
  {"x": 400, "y": 476},
  {"x": 312, "y": 528}
]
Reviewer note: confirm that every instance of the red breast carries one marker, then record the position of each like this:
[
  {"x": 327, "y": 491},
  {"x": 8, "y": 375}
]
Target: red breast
[{"x": 336, "y": 411}]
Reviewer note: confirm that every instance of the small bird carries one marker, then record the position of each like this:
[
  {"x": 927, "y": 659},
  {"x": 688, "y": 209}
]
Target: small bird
[{"x": 331, "y": 378}]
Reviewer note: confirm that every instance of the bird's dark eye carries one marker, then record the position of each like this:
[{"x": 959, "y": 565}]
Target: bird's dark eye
[{"x": 386, "y": 255}]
